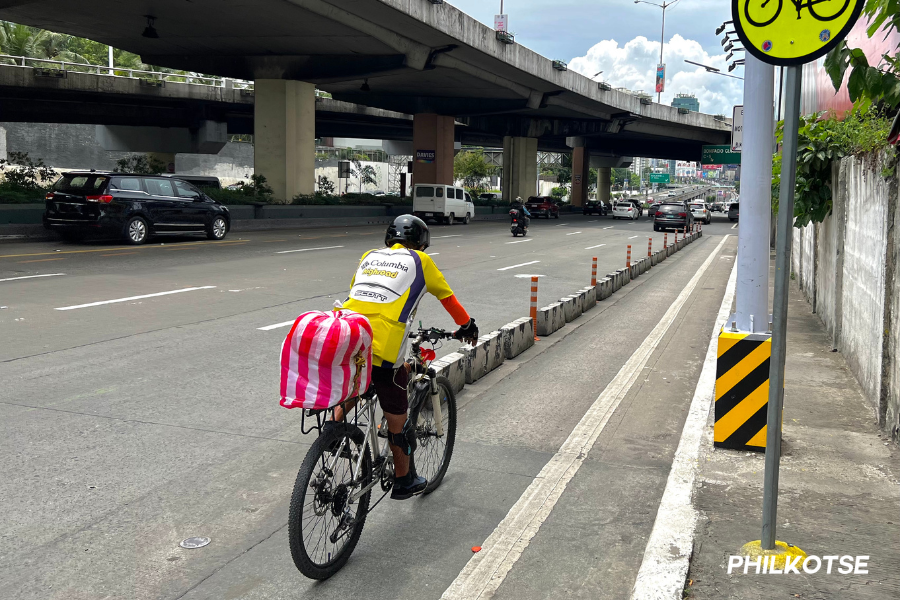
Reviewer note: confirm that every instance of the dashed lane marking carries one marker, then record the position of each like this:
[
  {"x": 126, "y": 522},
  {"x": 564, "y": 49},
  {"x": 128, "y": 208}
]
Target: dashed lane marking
[
  {"x": 592, "y": 247},
  {"x": 520, "y": 241},
  {"x": 276, "y": 326},
  {"x": 141, "y": 297},
  {"x": 24, "y": 262},
  {"x": 308, "y": 249},
  {"x": 610, "y": 227},
  {"x": 32, "y": 276},
  {"x": 150, "y": 247},
  {"x": 632, "y": 237},
  {"x": 574, "y": 233},
  {"x": 433, "y": 253},
  {"x": 733, "y": 226},
  {"x": 446, "y": 236},
  {"x": 519, "y": 265}
]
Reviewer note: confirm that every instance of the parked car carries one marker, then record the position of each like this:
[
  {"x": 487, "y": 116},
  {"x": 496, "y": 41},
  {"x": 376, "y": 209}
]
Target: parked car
[
  {"x": 624, "y": 209},
  {"x": 651, "y": 212},
  {"x": 200, "y": 181},
  {"x": 733, "y": 211},
  {"x": 542, "y": 206},
  {"x": 594, "y": 207},
  {"x": 132, "y": 206},
  {"x": 701, "y": 212},
  {"x": 672, "y": 215}
]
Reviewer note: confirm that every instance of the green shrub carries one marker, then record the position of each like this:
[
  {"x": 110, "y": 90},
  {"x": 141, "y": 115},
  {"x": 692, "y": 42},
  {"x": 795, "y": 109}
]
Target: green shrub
[{"x": 11, "y": 193}]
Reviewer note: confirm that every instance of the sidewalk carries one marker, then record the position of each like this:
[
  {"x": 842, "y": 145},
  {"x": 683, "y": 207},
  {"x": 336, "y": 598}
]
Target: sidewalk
[{"x": 839, "y": 488}]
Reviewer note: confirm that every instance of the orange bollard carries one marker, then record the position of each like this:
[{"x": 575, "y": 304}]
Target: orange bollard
[
  {"x": 649, "y": 247},
  {"x": 676, "y": 237},
  {"x": 666, "y": 240},
  {"x": 594, "y": 273},
  {"x": 534, "y": 292},
  {"x": 628, "y": 258}
]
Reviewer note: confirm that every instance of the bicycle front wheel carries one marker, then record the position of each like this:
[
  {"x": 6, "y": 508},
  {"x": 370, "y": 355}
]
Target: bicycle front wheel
[
  {"x": 324, "y": 524},
  {"x": 830, "y": 3},
  {"x": 435, "y": 449},
  {"x": 766, "y": 14}
]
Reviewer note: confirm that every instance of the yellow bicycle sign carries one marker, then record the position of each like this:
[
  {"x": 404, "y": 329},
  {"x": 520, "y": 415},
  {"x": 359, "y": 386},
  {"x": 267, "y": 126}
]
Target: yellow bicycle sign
[{"x": 793, "y": 32}]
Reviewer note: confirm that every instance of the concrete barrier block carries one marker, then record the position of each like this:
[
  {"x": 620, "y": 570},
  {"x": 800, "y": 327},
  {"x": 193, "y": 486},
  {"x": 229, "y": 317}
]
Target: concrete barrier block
[
  {"x": 559, "y": 316},
  {"x": 571, "y": 307},
  {"x": 476, "y": 360},
  {"x": 453, "y": 367},
  {"x": 625, "y": 275},
  {"x": 545, "y": 321},
  {"x": 590, "y": 298},
  {"x": 605, "y": 286},
  {"x": 635, "y": 270},
  {"x": 661, "y": 255},
  {"x": 495, "y": 354},
  {"x": 517, "y": 337},
  {"x": 614, "y": 282},
  {"x": 654, "y": 259}
]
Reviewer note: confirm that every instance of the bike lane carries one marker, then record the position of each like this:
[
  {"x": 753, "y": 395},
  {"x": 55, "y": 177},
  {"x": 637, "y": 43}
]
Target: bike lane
[{"x": 511, "y": 424}]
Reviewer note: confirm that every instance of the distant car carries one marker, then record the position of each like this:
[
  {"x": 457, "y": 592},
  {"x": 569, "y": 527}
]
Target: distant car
[
  {"x": 733, "y": 211},
  {"x": 489, "y": 196},
  {"x": 672, "y": 215},
  {"x": 542, "y": 206},
  {"x": 651, "y": 212},
  {"x": 594, "y": 207},
  {"x": 131, "y": 206},
  {"x": 638, "y": 205},
  {"x": 701, "y": 212},
  {"x": 624, "y": 210}
]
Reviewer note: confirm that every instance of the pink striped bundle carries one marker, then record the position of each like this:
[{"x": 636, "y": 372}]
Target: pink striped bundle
[{"x": 326, "y": 359}]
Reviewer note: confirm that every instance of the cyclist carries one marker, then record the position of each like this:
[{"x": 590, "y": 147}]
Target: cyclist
[
  {"x": 387, "y": 287},
  {"x": 519, "y": 206}
]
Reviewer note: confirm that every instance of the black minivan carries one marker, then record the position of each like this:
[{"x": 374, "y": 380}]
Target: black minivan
[{"x": 131, "y": 206}]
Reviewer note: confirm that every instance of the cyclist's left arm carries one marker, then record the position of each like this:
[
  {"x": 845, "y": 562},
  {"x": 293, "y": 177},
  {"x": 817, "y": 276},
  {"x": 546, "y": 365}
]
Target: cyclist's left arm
[{"x": 437, "y": 286}]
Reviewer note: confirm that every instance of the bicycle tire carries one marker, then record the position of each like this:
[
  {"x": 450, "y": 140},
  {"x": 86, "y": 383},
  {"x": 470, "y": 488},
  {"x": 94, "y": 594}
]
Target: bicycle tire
[
  {"x": 763, "y": 23},
  {"x": 325, "y": 447},
  {"x": 831, "y": 18},
  {"x": 429, "y": 446}
]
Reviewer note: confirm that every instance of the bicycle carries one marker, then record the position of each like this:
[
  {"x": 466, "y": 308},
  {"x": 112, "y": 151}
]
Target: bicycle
[
  {"x": 332, "y": 492},
  {"x": 799, "y": 5}
]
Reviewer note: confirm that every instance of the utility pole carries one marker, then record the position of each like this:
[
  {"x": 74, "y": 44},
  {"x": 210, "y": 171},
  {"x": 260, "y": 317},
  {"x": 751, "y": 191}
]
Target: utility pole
[{"x": 662, "y": 37}]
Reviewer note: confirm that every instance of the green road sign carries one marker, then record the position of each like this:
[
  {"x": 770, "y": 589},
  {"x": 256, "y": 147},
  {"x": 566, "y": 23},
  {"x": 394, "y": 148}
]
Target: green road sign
[
  {"x": 719, "y": 155},
  {"x": 659, "y": 178}
]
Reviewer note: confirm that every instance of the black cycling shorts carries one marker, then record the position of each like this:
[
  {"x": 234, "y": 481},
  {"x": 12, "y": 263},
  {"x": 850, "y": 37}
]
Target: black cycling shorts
[{"x": 390, "y": 385}]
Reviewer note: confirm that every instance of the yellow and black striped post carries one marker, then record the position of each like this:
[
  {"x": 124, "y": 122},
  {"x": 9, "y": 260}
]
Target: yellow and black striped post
[{"x": 742, "y": 390}]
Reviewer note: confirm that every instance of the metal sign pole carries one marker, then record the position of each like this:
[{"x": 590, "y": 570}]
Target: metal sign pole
[{"x": 782, "y": 282}]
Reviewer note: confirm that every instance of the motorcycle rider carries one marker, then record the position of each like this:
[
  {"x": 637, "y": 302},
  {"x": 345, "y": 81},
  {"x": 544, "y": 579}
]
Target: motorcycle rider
[
  {"x": 387, "y": 287},
  {"x": 523, "y": 212}
]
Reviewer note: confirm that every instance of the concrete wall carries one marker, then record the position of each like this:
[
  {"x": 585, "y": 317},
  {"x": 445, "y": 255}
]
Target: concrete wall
[{"x": 845, "y": 267}]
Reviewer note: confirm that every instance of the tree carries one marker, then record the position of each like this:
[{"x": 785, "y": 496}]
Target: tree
[
  {"x": 869, "y": 84},
  {"x": 471, "y": 167},
  {"x": 325, "y": 185},
  {"x": 140, "y": 164},
  {"x": 365, "y": 173}
]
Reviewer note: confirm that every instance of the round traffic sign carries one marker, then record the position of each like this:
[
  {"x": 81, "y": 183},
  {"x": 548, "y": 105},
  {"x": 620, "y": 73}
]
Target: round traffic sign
[{"x": 793, "y": 32}]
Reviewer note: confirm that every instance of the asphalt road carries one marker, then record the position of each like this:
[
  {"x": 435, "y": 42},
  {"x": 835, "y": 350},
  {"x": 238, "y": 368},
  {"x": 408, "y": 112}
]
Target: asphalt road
[{"x": 128, "y": 426}]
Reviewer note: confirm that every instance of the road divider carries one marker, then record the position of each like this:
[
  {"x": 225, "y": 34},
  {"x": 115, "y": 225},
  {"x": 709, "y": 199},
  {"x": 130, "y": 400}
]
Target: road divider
[{"x": 141, "y": 297}]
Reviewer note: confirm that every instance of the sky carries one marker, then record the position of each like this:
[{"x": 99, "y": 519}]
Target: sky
[{"x": 621, "y": 39}]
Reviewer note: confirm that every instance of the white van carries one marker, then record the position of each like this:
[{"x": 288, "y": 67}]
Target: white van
[{"x": 444, "y": 203}]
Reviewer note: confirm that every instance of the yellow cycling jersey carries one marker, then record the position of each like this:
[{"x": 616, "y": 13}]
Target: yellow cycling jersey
[{"x": 387, "y": 287}]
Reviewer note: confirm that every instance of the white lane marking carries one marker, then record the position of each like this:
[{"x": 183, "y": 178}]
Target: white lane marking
[
  {"x": 130, "y": 298},
  {"x": 574, "y": 233},
  {"x": 592, "y": 247},
  {"x": 308, "y": 249},
  {"x": 520, "y": 241},
  {"x": 433, "y": 253},
  {"x": 733, "y": 226},
  {"x": 275, "y": 326},
  {"x": 667, "y": 555},
  {"x": 632, "y": 237},
  {"x": 528, "y": 275},
  {"x": 446, "y": 236},
  {"x": 32, "y": 276},
  {"x": 486, "y": 571},
  {"x": 610, "y": 227},
  {"x": 519, "y": 265}
]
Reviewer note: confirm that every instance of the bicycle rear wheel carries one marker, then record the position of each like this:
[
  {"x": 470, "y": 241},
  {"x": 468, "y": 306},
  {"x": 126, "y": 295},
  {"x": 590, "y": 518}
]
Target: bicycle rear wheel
[
  {"x": 812, "y": 9},
  {"x": 434, "y": 451},
  {"x": 323, "y": 524},
  {"x": 764, "y": 14}
]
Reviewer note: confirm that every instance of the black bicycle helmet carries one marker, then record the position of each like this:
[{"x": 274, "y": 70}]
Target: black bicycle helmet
[{"x": 408, "y": 230}]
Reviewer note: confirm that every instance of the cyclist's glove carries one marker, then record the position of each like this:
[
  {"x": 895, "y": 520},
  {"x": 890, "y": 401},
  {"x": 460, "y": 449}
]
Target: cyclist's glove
[{"x": 468, "y": 332}]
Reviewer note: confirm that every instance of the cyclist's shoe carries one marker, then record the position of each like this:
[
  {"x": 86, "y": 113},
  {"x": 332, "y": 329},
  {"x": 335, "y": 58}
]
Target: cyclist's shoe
[{"x": 408, "y": 486}]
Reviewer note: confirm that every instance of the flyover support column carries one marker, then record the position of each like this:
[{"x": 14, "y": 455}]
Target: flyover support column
[
  {"x": 284, "y": 136},
  {"x": 519, "y": 168},
  {"x": 433, "y": 141},
  {"x": 580, "y": 172},
  {"x": 604, "y": 175}
]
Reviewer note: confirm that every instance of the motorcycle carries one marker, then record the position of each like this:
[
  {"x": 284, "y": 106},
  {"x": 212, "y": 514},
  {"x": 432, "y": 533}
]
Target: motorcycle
[{"x": 517, "y": 227}]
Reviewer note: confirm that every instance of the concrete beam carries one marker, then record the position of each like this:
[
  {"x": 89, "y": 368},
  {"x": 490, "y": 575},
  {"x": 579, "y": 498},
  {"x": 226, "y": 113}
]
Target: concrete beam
[{"x": 209, "y": 138}]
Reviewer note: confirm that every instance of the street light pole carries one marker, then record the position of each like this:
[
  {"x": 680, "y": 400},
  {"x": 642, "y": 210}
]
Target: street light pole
[{"x": 662, "y": 38}]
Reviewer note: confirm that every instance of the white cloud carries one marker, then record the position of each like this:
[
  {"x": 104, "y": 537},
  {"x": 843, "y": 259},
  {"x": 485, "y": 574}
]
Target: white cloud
[{"x": 633, "y": 66}]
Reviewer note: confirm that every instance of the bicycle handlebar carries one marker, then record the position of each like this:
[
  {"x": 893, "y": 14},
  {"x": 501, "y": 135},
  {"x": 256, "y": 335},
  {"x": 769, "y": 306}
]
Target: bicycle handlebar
[{"x": 433, "y": 334}]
